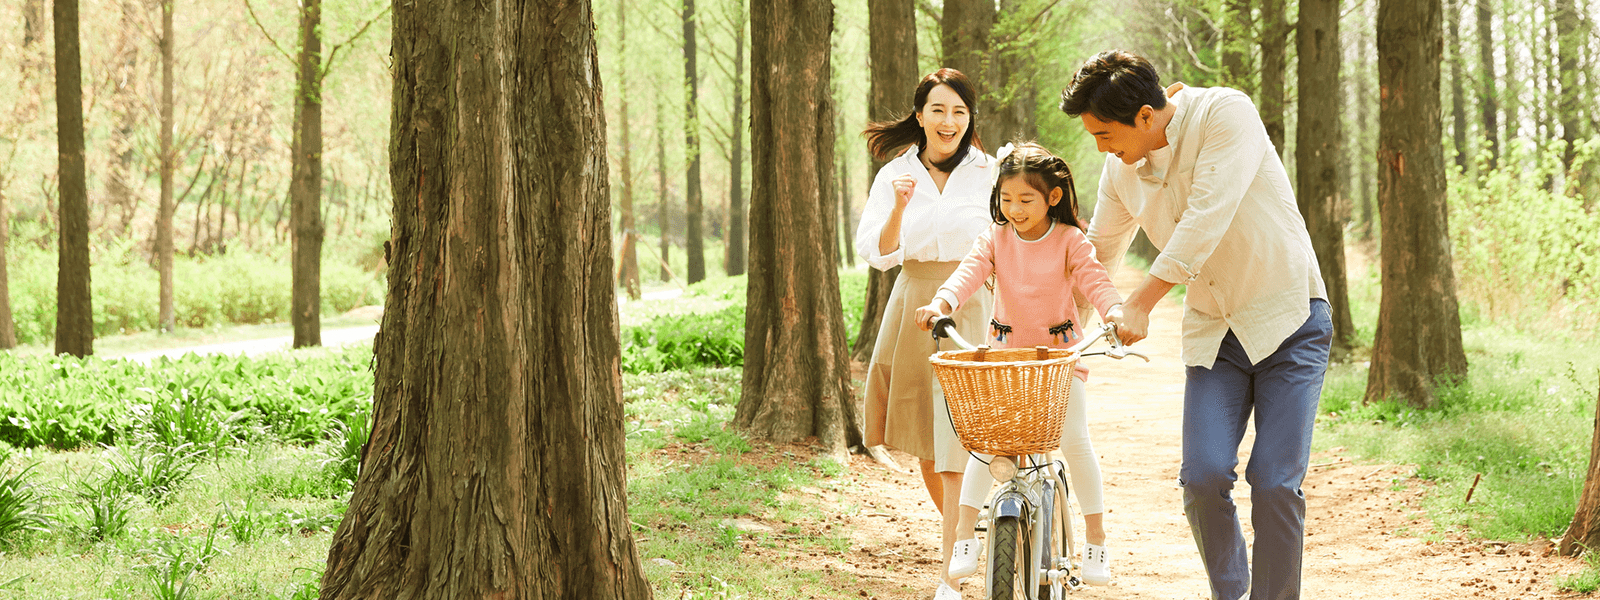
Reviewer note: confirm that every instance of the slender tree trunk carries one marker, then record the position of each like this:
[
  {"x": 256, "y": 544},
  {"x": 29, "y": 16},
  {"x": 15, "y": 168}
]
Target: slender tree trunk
[
  {"x": 1238, "y": 35},
  {"x": 496, "y": 465},
  {"x": 167, "y": 317},
  {"x": 1569, "y": 41},
  {"x": 124, "y": 100},
  {"x": 796, "y": 370},
  {"x": 1458, "y": 96},
  {"x": 663, "y": 200},
  {"x": 693, "y": 236},
  {"x": 892, "y": 53},
  {"x": 629, "y": 273},
  {"x": 1583, "y": 533},
  {"x": 1488, "y": 99},
  {"x": 965, "y": 33},
  {"x": 1274, "y": 70},
  {"x": 1316, "y": 156},
  {"x": 1511, "y": 86},
  {"x": 74, "y": 307},
  {"x": 1366, "y": 159},
  {"x": 8, "y": 324},
  {"x": 32, "y": 22},
  {"x": 736, "y": 241},
  {"x": 305, "y": 185},
  {"x": 1418, "y": 342},
  {"x": 846, "y": 232}
]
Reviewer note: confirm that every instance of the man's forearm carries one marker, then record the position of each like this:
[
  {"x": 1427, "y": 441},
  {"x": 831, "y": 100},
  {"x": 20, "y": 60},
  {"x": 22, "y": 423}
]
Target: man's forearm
[{"x": 1149, "y": 292}]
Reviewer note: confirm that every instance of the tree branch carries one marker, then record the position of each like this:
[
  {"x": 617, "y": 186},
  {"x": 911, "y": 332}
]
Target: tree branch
[
  {"x": 254, "y": 19},
  {"x": 333, "y": 54}
]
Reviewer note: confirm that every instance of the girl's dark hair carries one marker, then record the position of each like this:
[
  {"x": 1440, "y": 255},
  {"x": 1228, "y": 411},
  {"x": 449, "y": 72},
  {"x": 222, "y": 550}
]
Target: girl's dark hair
[
  {"x": 884, "y": 138},
  {"x": 1044, "y": 172},
  {"x": 1113, "y": 86}
]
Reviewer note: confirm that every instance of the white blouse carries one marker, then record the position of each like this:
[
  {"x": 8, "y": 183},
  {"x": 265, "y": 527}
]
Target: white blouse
[{"x": 936, "y": 226}]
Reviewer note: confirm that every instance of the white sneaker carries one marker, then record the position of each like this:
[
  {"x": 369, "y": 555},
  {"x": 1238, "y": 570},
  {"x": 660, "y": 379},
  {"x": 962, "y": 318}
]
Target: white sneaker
[
  {"x": 946, "y": 592},
  {"x": 964, "y": 557},
  {"x": 1096, "y": 565}
]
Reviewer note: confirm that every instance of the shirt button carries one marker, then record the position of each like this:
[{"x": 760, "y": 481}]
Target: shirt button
[
  {"x": 1228, "y": 316},
  {"x": 1163, "y": 185}
]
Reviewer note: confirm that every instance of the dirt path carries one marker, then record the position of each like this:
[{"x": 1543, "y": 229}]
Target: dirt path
[{"x": 1354, "y": 511}]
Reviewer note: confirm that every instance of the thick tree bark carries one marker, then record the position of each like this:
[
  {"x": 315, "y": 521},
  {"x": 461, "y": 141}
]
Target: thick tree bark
[
  {"x": 966, "y": 28},
  {"x": 736, "y": 242},
  {"x": 693, "y": 235},
  {"x": 892, "y": 53},
  {"x": 796, "y": 370},
  {"x": 1583, "y": 533},
  {"x": 1458, "y": 95},
  {"x": 305, "y": 185},
  {"x": 628, "y": 274},
  {"x": 1275, "y": 32},
  {"x": 74, "y": 307},
  {"x": 167, "y": 317},
  {"x": 1488, "y": 99},
  {"x": 496, "y": 465},
  {"x": 1317, "y": 133},
  {"x": 1418, "y": 342}
]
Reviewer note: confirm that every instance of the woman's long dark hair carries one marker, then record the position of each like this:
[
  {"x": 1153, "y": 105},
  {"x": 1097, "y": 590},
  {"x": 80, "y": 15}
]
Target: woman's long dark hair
[
  {"x": 1042, "y": 170},
  {"x": 884, "y": 138}
]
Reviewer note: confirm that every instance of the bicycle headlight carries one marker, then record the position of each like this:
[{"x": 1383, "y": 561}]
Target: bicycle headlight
[{"x": 1002, "y": 468}]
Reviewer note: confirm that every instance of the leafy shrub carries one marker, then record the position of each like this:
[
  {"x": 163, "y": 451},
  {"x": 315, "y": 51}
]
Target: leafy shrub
[{"x": 674, "y": 342}]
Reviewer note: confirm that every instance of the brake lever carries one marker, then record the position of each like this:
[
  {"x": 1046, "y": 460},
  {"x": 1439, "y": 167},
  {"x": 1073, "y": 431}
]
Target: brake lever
[{"x": 1122, "y": 352}]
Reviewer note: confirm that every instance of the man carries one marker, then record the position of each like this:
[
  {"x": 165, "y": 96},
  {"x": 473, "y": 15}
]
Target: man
[{"x": 1197, "y": 172}]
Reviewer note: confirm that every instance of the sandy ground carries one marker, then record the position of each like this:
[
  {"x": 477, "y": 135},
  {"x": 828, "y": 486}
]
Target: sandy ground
[{"x": 1359, "y": 513}]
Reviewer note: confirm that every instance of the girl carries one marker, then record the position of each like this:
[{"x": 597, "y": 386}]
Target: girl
[
  {"x": 1039, "y": 257},
  {"x": 925, "y": 209}
]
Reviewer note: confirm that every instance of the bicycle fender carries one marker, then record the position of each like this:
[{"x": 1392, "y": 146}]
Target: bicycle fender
[{"x": 1009, "y": 504}]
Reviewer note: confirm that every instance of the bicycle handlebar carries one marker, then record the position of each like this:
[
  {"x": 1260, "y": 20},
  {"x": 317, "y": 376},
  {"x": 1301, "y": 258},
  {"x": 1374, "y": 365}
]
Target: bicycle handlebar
[{"x": 944, "y": 326}]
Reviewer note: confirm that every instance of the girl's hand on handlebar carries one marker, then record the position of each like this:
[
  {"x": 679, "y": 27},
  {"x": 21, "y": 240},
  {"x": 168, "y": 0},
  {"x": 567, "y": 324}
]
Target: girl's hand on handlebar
[
  {"x": 1132, "y": 324},
  {"x": 926, "y": 314}
]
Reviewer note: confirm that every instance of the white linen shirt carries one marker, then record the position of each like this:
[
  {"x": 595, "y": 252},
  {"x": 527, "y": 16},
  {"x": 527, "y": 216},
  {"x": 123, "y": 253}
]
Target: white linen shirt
[
  {"x": 1217, "y": 202},
  {"x": 936, "y": 226}
]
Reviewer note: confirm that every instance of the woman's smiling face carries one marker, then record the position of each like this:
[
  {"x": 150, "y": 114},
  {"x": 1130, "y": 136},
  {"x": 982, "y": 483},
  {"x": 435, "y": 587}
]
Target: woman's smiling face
[
  {"x": 1026, "y": 207},
  {"x": 944, "y": 118}
]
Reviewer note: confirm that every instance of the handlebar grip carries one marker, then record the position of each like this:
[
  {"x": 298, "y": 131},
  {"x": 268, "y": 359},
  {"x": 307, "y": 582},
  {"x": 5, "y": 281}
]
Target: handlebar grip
[{"x": 940, "y": 325}]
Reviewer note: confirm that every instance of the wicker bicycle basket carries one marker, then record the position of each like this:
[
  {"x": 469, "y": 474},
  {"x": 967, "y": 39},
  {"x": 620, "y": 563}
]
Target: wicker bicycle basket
[{"x": 1006, "y": 401}]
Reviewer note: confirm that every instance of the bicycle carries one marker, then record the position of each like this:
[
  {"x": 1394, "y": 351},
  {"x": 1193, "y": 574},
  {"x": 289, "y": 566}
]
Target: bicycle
[{"x": 1009, "y": 404}]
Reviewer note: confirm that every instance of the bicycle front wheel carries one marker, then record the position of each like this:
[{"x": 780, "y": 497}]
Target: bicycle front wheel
[{"x": 1008, "y": 559}]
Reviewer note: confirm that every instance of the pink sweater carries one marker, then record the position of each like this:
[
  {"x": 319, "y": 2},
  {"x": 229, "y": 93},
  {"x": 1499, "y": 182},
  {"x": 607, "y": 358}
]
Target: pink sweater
[{"x": 1032, "y": 295}]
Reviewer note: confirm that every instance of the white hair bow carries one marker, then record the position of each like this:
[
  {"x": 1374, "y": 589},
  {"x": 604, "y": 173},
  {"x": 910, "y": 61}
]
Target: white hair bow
[{"x": 994, "y": 177}]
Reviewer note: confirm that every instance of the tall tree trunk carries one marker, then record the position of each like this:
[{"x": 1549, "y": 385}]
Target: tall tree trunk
[
  {"x": 965, "y": 33},
  {"x": 124, "y": 101},
  {"x": 1275, "y": 68},
  {"x": 796, "y": 370},
  {"x": 846, "y": 232},
  {"x": 736, "y": 242},
  {"x": 1317, "y": 152},
  {"x": 1011, "y": 74},
  {"x": 663, "y": 215},
  {"x": 693, "y": 236},
  {"x": 1418, "y": 342},
  {"x": 1238, "y": 35},
  {"x": 1488, "y": 99},
  {"x": 1458, "y": 96},
  {"x": 1583, "y": 534},
  {"x": 1569, "y": 41},
  {"x": 1366, "y": 160},
  {"x": 74, "y": 307},
  {"x": 8, "y": 324},
  {"x": 629, "y": 273},
  {"x": 496, "y": 465},
  {"x": 305, "y": 185},
  {"x": 892, "y": 53},
  {"x": 1511, "y": 88},
  {"x": 167, "y": 317}
]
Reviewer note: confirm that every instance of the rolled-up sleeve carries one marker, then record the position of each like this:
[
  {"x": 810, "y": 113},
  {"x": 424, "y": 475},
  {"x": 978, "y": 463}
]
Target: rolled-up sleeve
[
  {"x": 1230, "y": 155},
  {"x": 880, "y": 202}
]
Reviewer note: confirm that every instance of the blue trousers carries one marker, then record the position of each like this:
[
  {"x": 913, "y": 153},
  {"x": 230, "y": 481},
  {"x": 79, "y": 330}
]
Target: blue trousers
[{"x": 1282, "y": 391}]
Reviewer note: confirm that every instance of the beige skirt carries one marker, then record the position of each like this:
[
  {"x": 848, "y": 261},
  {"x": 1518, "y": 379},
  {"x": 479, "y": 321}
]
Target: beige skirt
[{"x": 905, "y": 405}]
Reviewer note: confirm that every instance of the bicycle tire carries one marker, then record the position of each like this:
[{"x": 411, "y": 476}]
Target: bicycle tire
[{"x": 1009, "y": 557}]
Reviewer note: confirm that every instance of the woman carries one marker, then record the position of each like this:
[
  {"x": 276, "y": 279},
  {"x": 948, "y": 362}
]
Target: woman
[{"x": 926, "y": 208}]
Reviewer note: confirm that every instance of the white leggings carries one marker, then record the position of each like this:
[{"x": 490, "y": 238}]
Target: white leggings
[{"x": 1075, "y": 446}]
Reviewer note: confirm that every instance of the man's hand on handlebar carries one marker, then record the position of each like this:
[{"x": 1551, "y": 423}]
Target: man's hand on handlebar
[
  {"x": 1132, "y": 324},
  {"x": 926, "y": 314}
]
